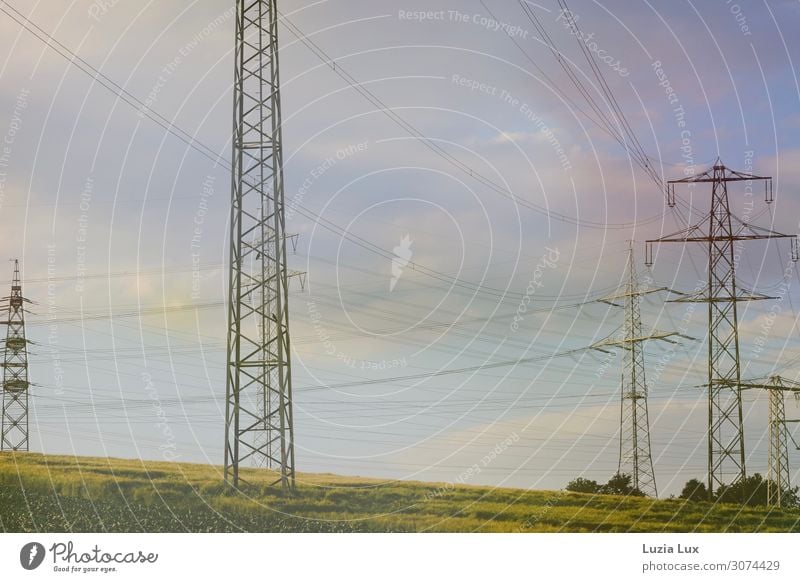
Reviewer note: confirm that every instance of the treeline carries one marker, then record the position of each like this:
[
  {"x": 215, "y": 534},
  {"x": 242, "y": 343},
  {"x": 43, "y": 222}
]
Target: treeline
[
  {"x": 619, "y": 484},
  {"x": 749, "y": 491}
]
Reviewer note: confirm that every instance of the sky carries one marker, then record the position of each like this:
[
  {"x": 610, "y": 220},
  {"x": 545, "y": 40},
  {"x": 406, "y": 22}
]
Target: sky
[{"x": 411, "y": 366}]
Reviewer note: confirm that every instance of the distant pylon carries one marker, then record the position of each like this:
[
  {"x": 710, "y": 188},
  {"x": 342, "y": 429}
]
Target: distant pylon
[
  {"x": 635, "y": 457},
  {"x": 778, "y": 476},
  {"x": 15, "y": 372},
  {"x": 259, "y": 380},
  {"x": 719, "y": 230}
]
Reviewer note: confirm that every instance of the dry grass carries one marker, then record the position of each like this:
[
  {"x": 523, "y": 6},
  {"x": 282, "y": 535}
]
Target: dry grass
[{"x": 59, "y": 493}]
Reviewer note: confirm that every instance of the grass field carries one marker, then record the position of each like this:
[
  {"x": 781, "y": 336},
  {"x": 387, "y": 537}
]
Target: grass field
[{"x": 84, "y": 494}]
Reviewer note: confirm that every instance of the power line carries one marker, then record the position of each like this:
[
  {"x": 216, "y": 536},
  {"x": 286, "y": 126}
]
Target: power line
[
  {"x": 436, "y": 148},
  {"x": 204, "y": 150}
]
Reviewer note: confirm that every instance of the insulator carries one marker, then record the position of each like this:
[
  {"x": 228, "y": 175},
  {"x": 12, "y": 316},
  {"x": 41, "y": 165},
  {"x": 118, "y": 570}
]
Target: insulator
[{"x": 671, "y": 195}]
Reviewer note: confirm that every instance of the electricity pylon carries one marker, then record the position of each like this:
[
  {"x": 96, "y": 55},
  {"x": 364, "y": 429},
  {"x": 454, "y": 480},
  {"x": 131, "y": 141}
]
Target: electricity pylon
[
  {"x": 719, "y": 230},
  {"x": 635, "y": 458},
  {"x": 259, "y": 366},
  {"x": 15, "y": 372},
  {"x": 778, "y": 477}
]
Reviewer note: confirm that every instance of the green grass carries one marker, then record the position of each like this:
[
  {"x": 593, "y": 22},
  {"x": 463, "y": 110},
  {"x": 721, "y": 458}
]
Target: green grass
[{"x": 83, "y": 494}]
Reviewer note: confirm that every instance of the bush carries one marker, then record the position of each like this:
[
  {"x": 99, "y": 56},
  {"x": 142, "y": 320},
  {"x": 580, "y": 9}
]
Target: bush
[
  {"x": 581, "y": 485},
  {"x": 694, "y": 490},
  {"x": 619, "y": 484}
]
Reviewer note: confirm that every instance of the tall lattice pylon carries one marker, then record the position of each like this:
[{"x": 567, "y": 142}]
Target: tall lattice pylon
[
  {"x": 778, "y": 476},
  {"x": 719, "y": 231},
  {"x": 15, "y": 372},
  {"x": 259, "y": 385},
  {"x": 635, "y": 457}
]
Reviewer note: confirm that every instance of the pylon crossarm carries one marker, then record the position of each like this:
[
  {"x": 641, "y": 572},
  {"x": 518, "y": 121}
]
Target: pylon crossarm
[
  {"x": 733, "y": 237},
  {"x": 757, "y": 232},
  {"x": 23, "y": 299},
  {"x": 710, "y": 175},
  {"x": 610, "y": 299},
  {"x": 786, "y": 382},
  {"x": 680, "y": 236},
  {"x": 702, "y": 298},
  {"x": 662, "y": 336},
  {"x": 778, "y": 383}
]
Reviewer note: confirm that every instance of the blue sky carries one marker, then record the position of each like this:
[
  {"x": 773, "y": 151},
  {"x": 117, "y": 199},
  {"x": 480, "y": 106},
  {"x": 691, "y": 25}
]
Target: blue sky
[{"x": 129, "y": 321}]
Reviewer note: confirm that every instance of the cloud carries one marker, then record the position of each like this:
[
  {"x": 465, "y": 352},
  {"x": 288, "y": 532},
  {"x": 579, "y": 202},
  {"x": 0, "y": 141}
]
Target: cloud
[{"x": 520, "y": 137}]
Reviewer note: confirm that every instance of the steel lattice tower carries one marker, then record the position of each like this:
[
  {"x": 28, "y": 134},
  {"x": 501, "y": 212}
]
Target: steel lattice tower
[
  {"x": 719, "y": 230},
  {"x": 15, "y": 372},
  {"x": 778, "y": 477},
  {"x": 635, "y": 458},
  {"x": 258, "y": 387}
]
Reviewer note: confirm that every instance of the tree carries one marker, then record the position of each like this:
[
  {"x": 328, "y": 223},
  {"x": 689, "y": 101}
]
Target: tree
[
  {"x": 751, "y": 490},
  {"x": 694, "y": 490},
  {"x": 790, "y": 497},
  {"x": 620, "y": 484},
  {"x": 581, "y": 485}
]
